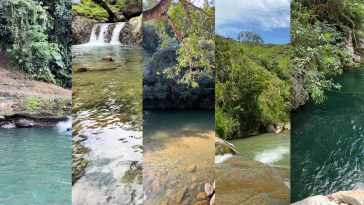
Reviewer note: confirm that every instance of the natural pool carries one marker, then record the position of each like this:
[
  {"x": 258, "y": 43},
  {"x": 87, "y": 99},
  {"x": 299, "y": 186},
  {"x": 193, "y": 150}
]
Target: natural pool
[
  {"x": 107, "y": 127},
  {"x": 269, "y": 148},
  {"x": 35, "y": 164},
  {"x": 328, "y": 141},
  {"x": 175, "y": 140}
]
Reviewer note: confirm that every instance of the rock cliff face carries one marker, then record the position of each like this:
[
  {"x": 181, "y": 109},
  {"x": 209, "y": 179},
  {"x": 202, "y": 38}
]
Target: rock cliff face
[
  {"x": 131, "y": 33},
  {"x": 81, "y": 29},
  {"x": 243, "y": 181},
  {"x": 299, "y": 96},
  {"x": 348, "y": 46}
]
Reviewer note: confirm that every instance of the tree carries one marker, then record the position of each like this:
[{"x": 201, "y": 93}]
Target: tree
[
  {"x": 112, "y": 16},
  {"x": 193, "y": 27},
  {"x": 251, "y": 39}
]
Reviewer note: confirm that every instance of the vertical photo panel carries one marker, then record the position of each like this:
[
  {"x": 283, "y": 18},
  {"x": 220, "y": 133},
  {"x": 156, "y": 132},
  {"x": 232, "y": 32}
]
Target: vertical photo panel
[
  {"x": 252, "y": 107},
  {"x": 327, "y": 102},
  {"x": 35, "y": 102},
  {"x": 107, "y": 144},
  {"x": 178, "y": 101}
]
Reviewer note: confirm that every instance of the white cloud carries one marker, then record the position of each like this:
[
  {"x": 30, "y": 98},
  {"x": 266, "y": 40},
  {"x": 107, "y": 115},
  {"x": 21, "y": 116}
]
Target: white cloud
[
  {"x": 228, "y": 30},
  {"x": 266, "y": 14}
]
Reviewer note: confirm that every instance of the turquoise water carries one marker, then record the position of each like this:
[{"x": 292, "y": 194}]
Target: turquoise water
[
  {"x": 35, "y": 166},
  {"x": 327, "y": 140},
  {"x": 173, "y": 140},
  {"x": 269, "y": 148}
]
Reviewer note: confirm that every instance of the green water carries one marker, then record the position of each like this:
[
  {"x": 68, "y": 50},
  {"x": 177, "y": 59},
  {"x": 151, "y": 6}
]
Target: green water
[
  {"x": 107, "y": 127},
  {"x": 328, "y": 142},
  {"x": 273, "y": 149},
  {"x": 174, "y": 140},
  {"x": 35, "y": 166}
]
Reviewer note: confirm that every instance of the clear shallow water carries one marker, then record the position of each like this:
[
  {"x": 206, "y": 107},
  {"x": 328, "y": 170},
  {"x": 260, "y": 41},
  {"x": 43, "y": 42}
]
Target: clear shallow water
[
  {"x": 174, "y": 140},
  {"x": 328, "y": 142},
  {"x": 35, "y": 166},
  {"x": 272, "y": 149},
  {"x": 107, "y": 126}
]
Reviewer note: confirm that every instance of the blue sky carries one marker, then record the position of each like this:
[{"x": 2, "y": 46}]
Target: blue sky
[{"x": 268, "y": 18}]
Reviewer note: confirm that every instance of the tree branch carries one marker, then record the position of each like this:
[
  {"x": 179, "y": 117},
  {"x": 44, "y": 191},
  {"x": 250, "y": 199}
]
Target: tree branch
[
  {"x": 195, "y": 7},
  {"x": 156, "y": 11}
]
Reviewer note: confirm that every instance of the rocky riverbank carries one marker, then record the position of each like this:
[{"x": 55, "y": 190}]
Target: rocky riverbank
[
  {"x": 244, "y": 181},
  {"x": 26, "y": 102}
]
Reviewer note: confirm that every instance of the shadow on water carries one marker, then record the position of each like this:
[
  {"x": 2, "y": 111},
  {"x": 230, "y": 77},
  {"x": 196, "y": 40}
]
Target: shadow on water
[
  {"x": 173, "y": 141},
  {"x": 327, "y": 140},
  {"x": 107, "y": 127}
]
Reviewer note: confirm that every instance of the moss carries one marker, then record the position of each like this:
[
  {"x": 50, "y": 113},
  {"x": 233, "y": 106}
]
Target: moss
[
  {"x": 49, "y": 105},
  {"x": 33, "y": 104},
  {"x": 92, "y": 10},
  {"x": 62, "y": 106}
]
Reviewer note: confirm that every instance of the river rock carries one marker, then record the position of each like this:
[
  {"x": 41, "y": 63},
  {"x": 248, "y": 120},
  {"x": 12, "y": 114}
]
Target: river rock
[
  {"x": 186, "y": 201},
  {"x": 224, "y": 147},
  {"x": 82, "y": 69},
  {"x": 278, "y": 131},
  {"x": 212, "y": 201},
  {"x": 237, "y": 182},
  {"x": 181, "y": 194},
  {"x": 316, "y": 200},
  {"x": 121, "y": 17},
  {"x": 269, "y": 128},
  {"x": 132, "y": 10},
  {"x": 209, "y": 190},
  {"x": 191, "y": 168},
  {"x": 81, "y": 29},
  {"x": 355, "y": 197},
  {"x": 107, "y": 58},
  {"x": 131, "y": 33},
  {"x": 111, "y": 2},
  {"x": 201, "y": 195},
  {"x": 24, "y": 123},
  {"x": 204, "y": 202}
]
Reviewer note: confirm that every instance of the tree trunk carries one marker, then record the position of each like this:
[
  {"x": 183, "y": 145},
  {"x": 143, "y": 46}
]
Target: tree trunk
[
  {"x": 156, "y": 11},
  {"x": 104, "y": 6}
]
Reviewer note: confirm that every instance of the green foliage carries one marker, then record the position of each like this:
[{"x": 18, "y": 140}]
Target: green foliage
[
  {"x": 251, "y": 39},
  {"x": 248, "y": 96},
  {"x": 33, "y": 103},
  {"x": 34, "y": 33},
  {"x": 317, "y": 54},
  {"x": 62, "y": 106},
  {"x": 49, "y": 105},
  {"x": 9, "y": 111}
]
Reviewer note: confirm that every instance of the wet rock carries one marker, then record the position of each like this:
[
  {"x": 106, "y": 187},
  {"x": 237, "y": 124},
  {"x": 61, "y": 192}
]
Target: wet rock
[
  {"x": 191, "y": 168},
  {"x": 82, "y": 69},
  {"x": 201, "y": 195},
  {"x": 186, "y": 201},
  {"x": 209, "y": 190},
  {"x": 181, "y": 194},
  {"x": 194, "y": 179},
  {"x": 2, "y": 118},
  {"x": 316, "y": 200},
  {"x": 350, "y": 197},
  {"x": 204, "y": 202},
  {"x": 24, "y": 123},
  {"x": 165, "y": 202},
  {"x": 81, "y": 29},
  {"x": 132, "y": 33},
  {"x": 192, "y": 187},
  {"x": 240, "y": 177},
  {"x": 121, "y": 17},
  {"x": 169, "y": 192},
  {"x": 299, "y": 96},
  {"x": 107, "y": 58},
  {"x": 212, "y": 202},
  {"x": 69, "y": 129},
  {"x": 225, "y": 147}
]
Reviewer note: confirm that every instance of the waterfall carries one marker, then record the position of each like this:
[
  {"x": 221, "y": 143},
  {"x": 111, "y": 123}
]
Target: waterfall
[
  {"x": 102, "y": 35},
  {"x": 116, "y": 33},
  {"x": 98, "y": 33}
]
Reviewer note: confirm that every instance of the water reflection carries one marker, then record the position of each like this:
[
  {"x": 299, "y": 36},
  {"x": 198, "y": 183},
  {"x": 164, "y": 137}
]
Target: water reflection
[{"x": 107, "y": 127}]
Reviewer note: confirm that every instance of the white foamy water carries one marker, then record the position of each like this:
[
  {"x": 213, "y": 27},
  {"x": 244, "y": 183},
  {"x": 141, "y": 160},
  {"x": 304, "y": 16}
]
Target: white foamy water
[
  {"x": 62, "y": 126},
  {"x": 222, "y": 158},
  {"x": 116, "y": 33},
  {"x": 98, "y": 37},
  {"x": 271, "y": 155}
]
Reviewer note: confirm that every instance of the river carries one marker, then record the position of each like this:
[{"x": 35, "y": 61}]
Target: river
[
  {"x": 328, "y": 142},
  {"x": 107, "y": 127},
  {"x": 178, "y": 155},
  {"x": 35, "y": 164}
]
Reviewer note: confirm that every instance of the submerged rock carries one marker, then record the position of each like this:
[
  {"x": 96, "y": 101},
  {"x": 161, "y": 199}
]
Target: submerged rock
[
  {"x": 107, "y": 58},
  {"x": 209, "y": 190},
  {"x": 191, "y": 168},
  {"x": 82, "y": 69}
]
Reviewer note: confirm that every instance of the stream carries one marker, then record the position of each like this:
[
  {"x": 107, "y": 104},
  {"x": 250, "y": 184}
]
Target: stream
[
  {"x": 178, "y": 155},
  {"x": 328, "y": 142}
]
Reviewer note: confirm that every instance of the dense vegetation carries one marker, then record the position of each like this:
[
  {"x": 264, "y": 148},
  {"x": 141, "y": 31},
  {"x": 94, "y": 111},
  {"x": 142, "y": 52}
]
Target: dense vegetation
[
  {"x": 252, "y": 91},
  {"x": 38, "y": 36},
  {"x": 178, "y": 58},
  {"x": 318, "y": 31}
]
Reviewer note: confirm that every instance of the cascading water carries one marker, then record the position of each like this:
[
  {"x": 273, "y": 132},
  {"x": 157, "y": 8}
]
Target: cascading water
[
  {"x": 100, "y": 33},
  {"x": 116, "y": 33}
]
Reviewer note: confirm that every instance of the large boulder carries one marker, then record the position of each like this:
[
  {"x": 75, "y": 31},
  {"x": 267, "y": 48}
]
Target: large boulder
[
  {"x": 354, "y": 197},
  {"x": 244, "y": 181},
  {"x": 111, "y": 2},
  {"x": 270, "y": 128},
  {"x": 131, "y": 33},
  {"x": 132, "y": 10},
  {"x": 223, "y": 147},
  {"x": 81, "y": 29},
  {"x": 316, "y": 200}
]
